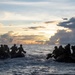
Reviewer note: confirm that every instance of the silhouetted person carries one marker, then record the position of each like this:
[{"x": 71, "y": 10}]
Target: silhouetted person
[
  {"x": 13, "y": 50},
  {"x": 6, "y": 50},
  {"x": 61, "y": 50},
  {"x": 2, "y": 52},
  {"x": 73, "y": 49},
  {"x": 55, "y": 52},
  {"x": 67, "y": 50},
  {"x": 21, "y": 51}
]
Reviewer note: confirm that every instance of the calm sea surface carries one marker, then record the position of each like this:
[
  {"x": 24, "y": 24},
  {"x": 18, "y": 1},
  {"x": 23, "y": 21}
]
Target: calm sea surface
[{"x": 35, "y": 63}]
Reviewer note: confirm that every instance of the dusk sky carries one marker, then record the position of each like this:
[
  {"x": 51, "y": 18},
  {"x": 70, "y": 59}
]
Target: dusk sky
[{"x": 37, "y": 21}]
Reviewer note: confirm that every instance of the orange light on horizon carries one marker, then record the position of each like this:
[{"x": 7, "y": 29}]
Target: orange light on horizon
[{"x": 29, "y": 42}]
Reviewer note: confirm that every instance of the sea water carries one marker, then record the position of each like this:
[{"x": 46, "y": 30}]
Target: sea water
[{"x": 35, "y": 63}]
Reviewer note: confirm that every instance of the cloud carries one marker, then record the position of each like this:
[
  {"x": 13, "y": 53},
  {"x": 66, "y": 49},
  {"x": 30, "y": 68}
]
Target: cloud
[
  {"x": 6, "y": 38},
  {"x": 65, "y": 18},
  {"x": 26, "y": 16},
  {"x": 31, "y": 0},
  {"x": 69, "y": 23},
  {"x": 25, "y": 3},
  {"x": 14, "y": 16},
  {"x": 29, "y": 39},
  {"x": 1, "y": 25},
  {"x": 53, "y": 22},
  {"x": 34, "y": 28},
  {"x": 47, "y": 3},
  {"x": 11, "y": 38},
  {"x": 62, "y": 37},
  {"x": 40, "y": 6}
]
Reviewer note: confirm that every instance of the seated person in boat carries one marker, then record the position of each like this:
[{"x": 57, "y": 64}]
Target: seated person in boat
[
  {"x": 55, "y": 52},
  {"x": 58, "y": 51},
  {"x": 21, "y": 51},
  {"x": 67, "y": 50},
  {"x": 13, "y": 50},
  {"x": 73, "y": 49}
]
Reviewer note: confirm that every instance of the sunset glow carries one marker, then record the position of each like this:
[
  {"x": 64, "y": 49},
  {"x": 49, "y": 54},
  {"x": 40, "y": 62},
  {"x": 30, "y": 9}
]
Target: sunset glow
[{"x": 34, "y": 22}]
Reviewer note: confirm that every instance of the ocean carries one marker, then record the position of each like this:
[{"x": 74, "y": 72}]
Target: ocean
[{"x": 35, "y": 63}]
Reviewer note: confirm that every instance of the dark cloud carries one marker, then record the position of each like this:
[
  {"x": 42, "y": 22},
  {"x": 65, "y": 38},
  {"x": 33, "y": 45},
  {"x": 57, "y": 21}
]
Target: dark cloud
[
  {"x": 62, "y": 37},
  {"x": 49, "y": 22},
  {"x": 34, "y": 28},
  {"x": 69, "y": 23},
  {"x": 65, "y": 18}
]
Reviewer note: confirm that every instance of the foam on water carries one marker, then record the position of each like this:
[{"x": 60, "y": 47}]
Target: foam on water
[{"x": 35, "y": 63}]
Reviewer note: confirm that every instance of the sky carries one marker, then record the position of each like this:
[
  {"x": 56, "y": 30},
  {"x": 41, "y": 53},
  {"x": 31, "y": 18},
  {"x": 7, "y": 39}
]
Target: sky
[{"x": 37, "y": 21}]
